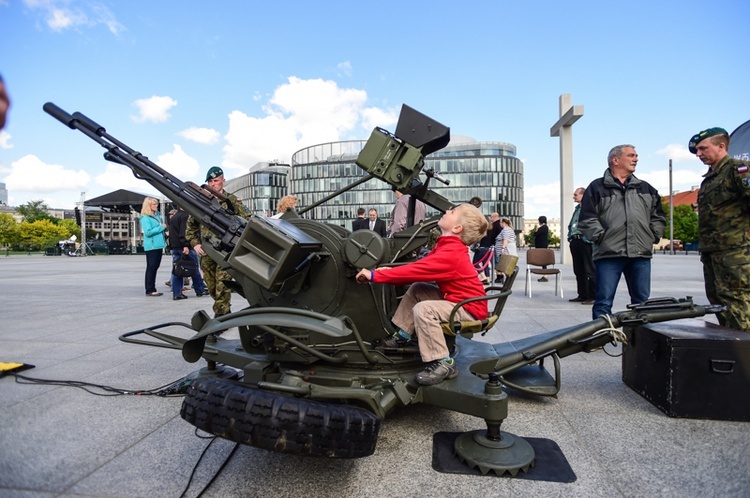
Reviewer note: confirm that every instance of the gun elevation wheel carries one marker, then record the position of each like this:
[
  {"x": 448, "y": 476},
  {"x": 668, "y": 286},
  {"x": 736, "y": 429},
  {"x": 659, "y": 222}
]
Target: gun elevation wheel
[{"x": 278, "y": 422}]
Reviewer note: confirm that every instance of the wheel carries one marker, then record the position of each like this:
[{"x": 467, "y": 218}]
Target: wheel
[{"x": 278, "y": 422}]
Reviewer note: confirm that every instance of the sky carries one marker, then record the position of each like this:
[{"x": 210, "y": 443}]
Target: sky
[{"x": 236, "y": 82}]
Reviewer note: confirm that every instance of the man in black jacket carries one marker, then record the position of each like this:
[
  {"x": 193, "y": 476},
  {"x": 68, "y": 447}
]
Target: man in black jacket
[
  {"x": 375, "y": 224},
  {"x": 623, "y": 217},
  {"x": 360, "y": 223},
  {"x": 541, "y": 239},
  {"x": 581, "y": 249},
  {"x": 179, "y": 245}
]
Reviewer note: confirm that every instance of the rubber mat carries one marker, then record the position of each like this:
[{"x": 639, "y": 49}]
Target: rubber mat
[{"x": 550, "y": 463}]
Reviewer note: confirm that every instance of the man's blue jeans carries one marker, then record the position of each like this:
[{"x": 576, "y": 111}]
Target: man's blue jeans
[
  {"x": 177, "y": 281},
  {"x": 637, "y": 273}
]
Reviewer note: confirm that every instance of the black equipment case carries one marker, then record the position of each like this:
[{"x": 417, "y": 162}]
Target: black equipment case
[{"x": 690, "y": 368}]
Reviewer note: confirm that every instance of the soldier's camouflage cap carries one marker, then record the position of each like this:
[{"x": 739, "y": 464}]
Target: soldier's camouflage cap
[
  {"x": 214, "y": 172},
  {"x": 699, "y": 137}
]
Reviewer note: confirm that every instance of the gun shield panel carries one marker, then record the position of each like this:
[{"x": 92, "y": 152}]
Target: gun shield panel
[{"x": 271, "y": 250}]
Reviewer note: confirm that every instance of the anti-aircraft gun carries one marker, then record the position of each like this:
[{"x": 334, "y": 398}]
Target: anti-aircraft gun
[{"x": 307, "y": 374}]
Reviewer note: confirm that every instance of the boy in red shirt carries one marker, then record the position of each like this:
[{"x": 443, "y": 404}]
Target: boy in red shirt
[{"x": 426, "y": 305}]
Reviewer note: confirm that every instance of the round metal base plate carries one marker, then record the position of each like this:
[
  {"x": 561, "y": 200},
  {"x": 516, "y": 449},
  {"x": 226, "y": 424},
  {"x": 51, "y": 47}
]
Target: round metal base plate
[
  {"x": 219, "y": 371},
  {"x": 509, "y": 454}
]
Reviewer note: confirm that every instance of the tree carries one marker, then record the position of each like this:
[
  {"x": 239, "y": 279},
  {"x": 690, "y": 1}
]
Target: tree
[
  {"x": 35, "y": 210},
  {"x": 71, "y": 227},
  {"x": 685, "y": 223},
  {"x": 40, "y": 234},
  {"x": 8, "y": 230},
  {"x": 528, "y": 239}
]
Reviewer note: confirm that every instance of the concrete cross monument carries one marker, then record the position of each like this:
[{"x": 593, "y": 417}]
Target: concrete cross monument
[{"x": 569, "y": 114}]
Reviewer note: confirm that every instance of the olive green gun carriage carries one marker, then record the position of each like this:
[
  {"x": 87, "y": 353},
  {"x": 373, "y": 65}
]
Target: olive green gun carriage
[{"x": 308, "y": 374}]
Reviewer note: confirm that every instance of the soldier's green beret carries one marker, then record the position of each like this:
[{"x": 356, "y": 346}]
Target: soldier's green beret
[
  {"x": 699, "y": 137},
  {"x": 214, "y": 172}
]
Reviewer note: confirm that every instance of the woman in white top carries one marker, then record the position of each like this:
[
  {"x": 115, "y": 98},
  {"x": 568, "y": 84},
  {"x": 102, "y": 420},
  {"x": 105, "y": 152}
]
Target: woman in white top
[
  {"x": 506, "y": 239},
  {"x": 505, "y": 243}
]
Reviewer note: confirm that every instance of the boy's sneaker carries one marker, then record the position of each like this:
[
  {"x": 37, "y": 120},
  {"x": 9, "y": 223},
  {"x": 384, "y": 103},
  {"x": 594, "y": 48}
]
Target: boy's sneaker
[
  {"x": 436, "y": 372},
  {"x": 396, "y": 341}
]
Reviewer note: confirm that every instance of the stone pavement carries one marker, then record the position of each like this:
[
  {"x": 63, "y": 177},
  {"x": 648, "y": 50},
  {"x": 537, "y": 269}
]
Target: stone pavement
[{"x": 64, "y": 315}]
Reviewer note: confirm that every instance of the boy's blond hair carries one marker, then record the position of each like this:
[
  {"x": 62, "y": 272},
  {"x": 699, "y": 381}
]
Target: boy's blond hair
[{"x": 473, "y": 222}]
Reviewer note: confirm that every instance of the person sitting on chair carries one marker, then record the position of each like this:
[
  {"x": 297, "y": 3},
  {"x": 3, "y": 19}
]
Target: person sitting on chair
[{"x": 426, "y": 305}]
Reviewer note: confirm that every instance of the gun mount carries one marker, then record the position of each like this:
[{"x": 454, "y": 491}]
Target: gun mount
[{"x": 309, "y": 339}]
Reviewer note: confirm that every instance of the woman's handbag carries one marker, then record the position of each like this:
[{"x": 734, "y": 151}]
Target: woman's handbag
[{"x": 185, "y": 266}]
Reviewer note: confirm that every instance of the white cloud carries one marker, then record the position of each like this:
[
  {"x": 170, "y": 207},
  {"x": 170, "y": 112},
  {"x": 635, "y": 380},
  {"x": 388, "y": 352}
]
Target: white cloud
[
  {"x": 61, "y": 19},
  {"x": 206, "y": 136},
  {"x": 60, "y": 15},
  {"x": 106, "y": 17},
  {"x": 253, "y": 140},
  {"x": 30, "y": 174},
  {"x": 5, "y": 140},
  {"x": 676, "y": 152},
  {"x": 318, "y": 107},
  {"x": 384, "y": 118},
  {"x": 299, "y": 114},
  {"x": 118, "y": 176},
  {"x": 682, "y": 179},
  {"x": 179, "y": 163},
  {"x": 541, "y": 200},
  {"x": 154, "y": 109},
  {"x": 344, "y": 68}
]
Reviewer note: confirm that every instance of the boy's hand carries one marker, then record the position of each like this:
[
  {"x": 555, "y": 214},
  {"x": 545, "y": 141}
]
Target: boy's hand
[{"x": 364, "y": 275}]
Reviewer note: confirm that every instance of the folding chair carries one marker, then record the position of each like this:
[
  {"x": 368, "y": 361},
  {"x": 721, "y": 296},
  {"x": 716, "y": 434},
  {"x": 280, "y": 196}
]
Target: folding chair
[{"x": 540, "y": 258}]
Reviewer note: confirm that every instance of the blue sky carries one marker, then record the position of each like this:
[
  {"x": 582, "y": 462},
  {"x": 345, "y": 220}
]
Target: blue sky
[{"x": 194, "y": 84}]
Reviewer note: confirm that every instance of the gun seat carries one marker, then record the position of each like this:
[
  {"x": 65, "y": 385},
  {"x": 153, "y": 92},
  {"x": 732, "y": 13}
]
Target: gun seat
[{"x": 468, "y": 328}]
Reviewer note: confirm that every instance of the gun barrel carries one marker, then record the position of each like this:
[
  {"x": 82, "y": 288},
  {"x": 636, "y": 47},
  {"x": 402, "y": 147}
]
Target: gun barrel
[
  {"x": 198, "y": 204},
  {"x": 59, "y": 114}
]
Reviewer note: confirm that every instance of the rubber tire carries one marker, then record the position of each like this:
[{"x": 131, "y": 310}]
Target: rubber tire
[{"x": 278, "y": 422}]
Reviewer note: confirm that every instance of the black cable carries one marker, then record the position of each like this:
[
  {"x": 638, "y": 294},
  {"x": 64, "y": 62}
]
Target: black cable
[
  {"x": 226, "y": 461},
  {"x": 613, "y": 355},
  {"x": 195, "y": 468},
  {"x": 172, "y": 389}
]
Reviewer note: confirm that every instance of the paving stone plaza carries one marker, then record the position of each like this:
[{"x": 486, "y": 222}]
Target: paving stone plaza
[{"x": 64, "y": 316}]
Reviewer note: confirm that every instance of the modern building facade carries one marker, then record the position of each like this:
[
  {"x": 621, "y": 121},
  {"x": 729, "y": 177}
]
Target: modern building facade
[
  {"x": 488, "y": 170},
  {"x": 261, "y": 189}
]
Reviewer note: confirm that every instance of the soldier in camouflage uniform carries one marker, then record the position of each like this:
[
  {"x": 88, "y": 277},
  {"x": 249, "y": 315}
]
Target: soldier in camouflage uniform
[
  {"x": 724, "y": 227},
  {"x": 212, "y": 274}
]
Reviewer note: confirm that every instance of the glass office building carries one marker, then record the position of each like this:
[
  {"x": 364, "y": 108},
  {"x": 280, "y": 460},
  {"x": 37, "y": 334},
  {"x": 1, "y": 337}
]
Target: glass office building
[
  {"x": 488, "y": 170},
  {"x": 261, "y": 189}
]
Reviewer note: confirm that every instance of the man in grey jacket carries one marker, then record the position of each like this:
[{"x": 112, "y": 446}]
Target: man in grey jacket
[{"x": 624, "y": 218}]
